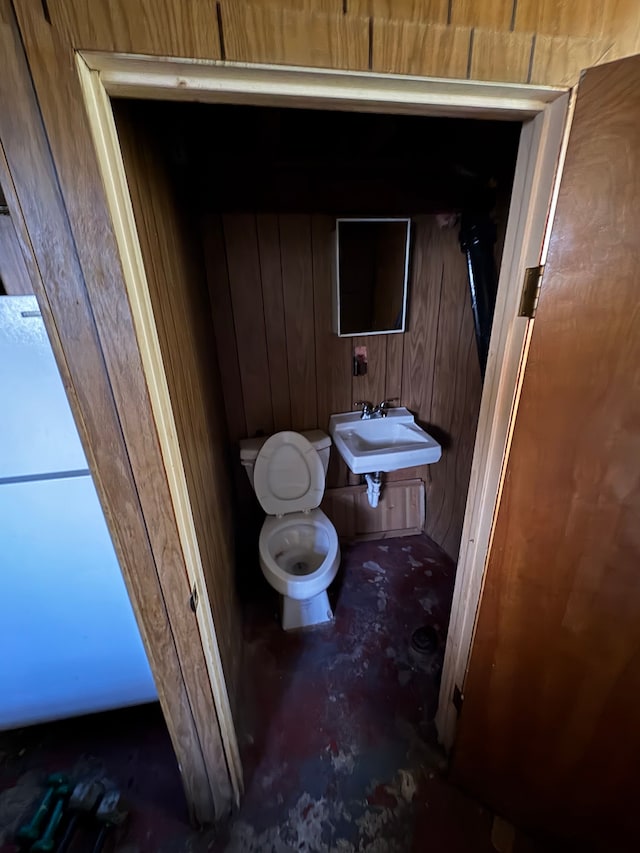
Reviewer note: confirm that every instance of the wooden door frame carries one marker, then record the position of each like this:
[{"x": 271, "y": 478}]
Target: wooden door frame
[{"x": 545, "y": 113}]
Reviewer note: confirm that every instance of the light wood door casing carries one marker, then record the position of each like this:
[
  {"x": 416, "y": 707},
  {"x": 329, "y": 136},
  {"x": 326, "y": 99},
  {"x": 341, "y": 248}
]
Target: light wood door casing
[
  {"x": 548, "y": 734},
  {"x": 84, "y": 303}
]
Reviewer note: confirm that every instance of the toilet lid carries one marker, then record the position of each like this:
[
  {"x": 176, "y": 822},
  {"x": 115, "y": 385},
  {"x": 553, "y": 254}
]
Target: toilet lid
[{"x": 288, "y": 474}]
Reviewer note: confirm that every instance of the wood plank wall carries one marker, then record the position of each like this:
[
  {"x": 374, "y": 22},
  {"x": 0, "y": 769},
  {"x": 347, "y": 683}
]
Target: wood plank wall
[
  {"x": 283, "y": 367},
  {"x": 537, "y": 41},
  {"x": 68, "y": 242},
  {"x": 175, "y": 275}
]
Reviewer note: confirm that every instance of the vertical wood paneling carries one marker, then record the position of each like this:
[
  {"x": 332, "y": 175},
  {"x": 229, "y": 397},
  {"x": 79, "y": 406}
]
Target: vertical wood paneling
[
  {"x": 297, "y": 287},
  {"x": 371, "y": 386},
  {"x": 621, "y": 28},
  {"x": 332, "y": 6},
  {"x": 562, "y": 58},
  {"x": 424, "y": 308},
  {"x": 182, "y": 314},
  {"x": 494, "y": 15},
  {"x": 432, "y": 369},
  {"x": 224, "y": 331},
  {"x": 420, "y": 341},
  {"x": 58, "y": 182},
  {"x": 243, "y": 262},
  {"x": 411, "y": 47},
  {"x": 333, "y": 354},
  {"x": 500, "y": 56},
  {"x": 561, "y": 17},
  {"x": 274, "y": 318},
  {"x": 433, "y": 11},
  {"x": 267, "y": 33},
  {"x": 455, "y": 403},
  {"x": 14, "y": 276},
  {"x": 393, "y": 377},
  {"x": 170, "y": 28}
]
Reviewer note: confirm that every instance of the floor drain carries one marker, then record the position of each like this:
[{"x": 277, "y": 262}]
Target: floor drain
[{"x": 424, "y": 640}]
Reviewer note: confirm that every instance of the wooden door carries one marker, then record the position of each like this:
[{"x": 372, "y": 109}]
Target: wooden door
[{"x": 549, "y": 732}]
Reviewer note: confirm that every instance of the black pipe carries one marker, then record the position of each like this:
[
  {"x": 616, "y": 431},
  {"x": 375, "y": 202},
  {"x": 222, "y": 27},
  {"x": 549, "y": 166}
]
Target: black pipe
[{"x": 477, "y": 239}]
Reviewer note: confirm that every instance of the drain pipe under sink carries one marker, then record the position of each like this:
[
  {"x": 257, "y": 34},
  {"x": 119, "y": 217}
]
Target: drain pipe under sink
[{"x": 374, "y": 484}]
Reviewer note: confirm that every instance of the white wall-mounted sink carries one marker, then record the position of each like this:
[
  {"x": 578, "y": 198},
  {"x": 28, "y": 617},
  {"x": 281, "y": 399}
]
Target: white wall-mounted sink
[{"x": 382, "y": 444}]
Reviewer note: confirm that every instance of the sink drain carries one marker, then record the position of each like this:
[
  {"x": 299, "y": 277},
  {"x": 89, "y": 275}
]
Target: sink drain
[{"x": 424, "y": 640}]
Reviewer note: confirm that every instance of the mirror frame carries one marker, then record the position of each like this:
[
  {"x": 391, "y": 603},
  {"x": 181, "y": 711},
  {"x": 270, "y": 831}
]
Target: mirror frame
[{"x": 336, "y": 275}]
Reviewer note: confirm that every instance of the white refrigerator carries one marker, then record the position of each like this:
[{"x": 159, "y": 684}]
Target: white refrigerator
[{"x": 69, "y": 643}]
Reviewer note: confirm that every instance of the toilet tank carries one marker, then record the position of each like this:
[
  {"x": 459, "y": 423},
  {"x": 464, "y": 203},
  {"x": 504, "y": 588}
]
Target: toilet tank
[{"x": 250, "y": 447}]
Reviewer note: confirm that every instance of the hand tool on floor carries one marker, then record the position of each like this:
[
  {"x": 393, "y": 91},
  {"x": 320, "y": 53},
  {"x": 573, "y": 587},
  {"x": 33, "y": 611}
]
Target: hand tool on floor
[
  {"x": 110, "y": 813},
  {"x": 84, "y": 799},
  {"x": 46, "y": 843},
  {"x": 29, "y": 833}
]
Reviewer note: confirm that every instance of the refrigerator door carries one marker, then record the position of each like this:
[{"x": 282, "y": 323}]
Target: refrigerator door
[
  {"x": 69, "y": 643},
  {"x": 39, "y": 435}
]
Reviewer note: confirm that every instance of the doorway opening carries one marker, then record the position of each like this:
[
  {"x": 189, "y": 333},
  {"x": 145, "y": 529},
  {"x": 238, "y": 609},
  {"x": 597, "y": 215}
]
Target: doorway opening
[
  {"x": 253, "y": 195},
  {"x": 173, "y": 317}
]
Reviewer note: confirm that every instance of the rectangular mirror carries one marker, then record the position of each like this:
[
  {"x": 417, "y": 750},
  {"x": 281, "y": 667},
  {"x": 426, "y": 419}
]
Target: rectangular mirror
[{"x": 371, "y": 271}]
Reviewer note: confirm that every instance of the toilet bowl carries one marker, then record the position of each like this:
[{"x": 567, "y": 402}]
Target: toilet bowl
[{"x": 298, "y": 546}]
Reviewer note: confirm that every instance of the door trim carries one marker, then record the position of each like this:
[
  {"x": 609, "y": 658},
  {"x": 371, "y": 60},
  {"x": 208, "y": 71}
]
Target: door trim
[
  {"x": 125, "y": 75},
  {"x": 544, "y": 112},
  {"x": 541, "y": 155}
]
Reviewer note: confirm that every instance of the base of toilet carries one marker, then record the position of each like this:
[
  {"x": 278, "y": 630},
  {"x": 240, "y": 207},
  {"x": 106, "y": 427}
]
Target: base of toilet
[{"x": 303, "y": 613}]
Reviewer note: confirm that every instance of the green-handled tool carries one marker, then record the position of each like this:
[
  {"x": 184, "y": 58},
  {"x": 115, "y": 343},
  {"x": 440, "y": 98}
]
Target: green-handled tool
[
  {"x": 47, "y": 842},
  {"x": 30, "y": 832}
]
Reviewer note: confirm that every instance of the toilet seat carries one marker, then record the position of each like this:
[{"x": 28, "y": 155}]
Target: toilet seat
[
  {"x": 288, "y": 475},
  {"x": 298, "y": 586}
]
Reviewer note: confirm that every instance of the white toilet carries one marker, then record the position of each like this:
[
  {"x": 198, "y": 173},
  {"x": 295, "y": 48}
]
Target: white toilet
[{"x": 298, "y": 546}]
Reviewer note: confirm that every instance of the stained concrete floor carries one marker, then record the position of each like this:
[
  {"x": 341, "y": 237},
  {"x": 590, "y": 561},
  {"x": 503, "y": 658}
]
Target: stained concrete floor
[{"x": 335, "y": 725}]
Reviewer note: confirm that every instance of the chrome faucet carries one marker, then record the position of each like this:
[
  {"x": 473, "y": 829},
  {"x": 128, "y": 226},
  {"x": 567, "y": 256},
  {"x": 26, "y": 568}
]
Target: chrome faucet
[
  {"x": 370, "y": 411},
  {"x": 383, "y": 408},
  {"x": 367, "y": 409}
]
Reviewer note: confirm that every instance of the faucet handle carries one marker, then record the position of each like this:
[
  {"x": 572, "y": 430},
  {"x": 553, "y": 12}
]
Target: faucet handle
[
  {"x": 367, "y": 407},
  {"x": 386, "y": 404}
]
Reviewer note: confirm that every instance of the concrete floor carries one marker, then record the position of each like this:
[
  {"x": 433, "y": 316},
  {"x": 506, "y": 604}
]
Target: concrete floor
[{"x": 335, "y": 730}]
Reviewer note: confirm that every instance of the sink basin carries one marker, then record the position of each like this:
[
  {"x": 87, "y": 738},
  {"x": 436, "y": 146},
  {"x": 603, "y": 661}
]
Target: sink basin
[{"x": 382, "y": 444}]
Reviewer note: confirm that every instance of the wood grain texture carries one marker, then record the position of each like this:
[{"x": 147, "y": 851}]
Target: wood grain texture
[
  {"x": 14, "y": 275},
  {"x": 274, "y": 318},
  {"x": 621, "y": 27},
  {"x": 455, "y": 401},
  {"x": 432, "y": 11},
  {"x": 294, "y": 281},
  {"x": 169, "y": 28},
  {"x": 333, "y": 354},
  {"x": 425, "y": 37},
  {"x": 212, "y": 236},
  {"x": 491, "y": 14},
  {"x": 500, "y": 56},
  {"x": 558, "y": 618},
  {"x": 256, "y": 33},
  {"x": 103, "y": 297},
  {"x": 562, "y": 58},
  {"x": 400, "y": 511},
  {"x": 430, "y": 50},
  {"x": 73, "y": 331},
  {"x": 243, "y": 263},
  {"x": 560, "y": 17},
  {"x": 177, "y": 284},
  {"x": 419, "y": 351},
  {"x": 297, "y": 287},
  {"x": 371, "y": 386}
]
